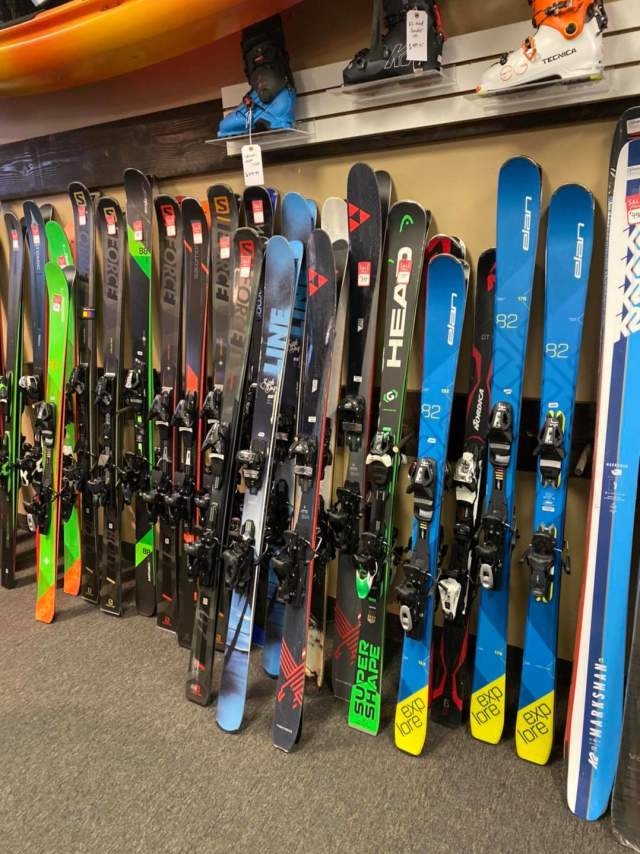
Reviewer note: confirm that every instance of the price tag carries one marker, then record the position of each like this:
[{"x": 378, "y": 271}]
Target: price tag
[
  {"x": 82, "y": 215},
  {"x": 245, "y": 266},
  {"x": 169, "y": 220},
  {"x": 633, "y": 209},
  {"x": 110, "y": 219},
  {"x": 14, "y": 239},
  {"x": 196, "y": 229},
  {"x": 364, "y": 274},
  {"x": 225, "y": 246},
  {"x": 252, "y": 165},
  {"x": 56, "y": 303},
  {"x": 35, "y": 234},
  {"x": 633, "y": 127},
  {"x": 258, "y": 211},
  {"x": 137, "y": 229},
  {"x": 417, "y": 32},
  {"x": 404, "y": 271}
]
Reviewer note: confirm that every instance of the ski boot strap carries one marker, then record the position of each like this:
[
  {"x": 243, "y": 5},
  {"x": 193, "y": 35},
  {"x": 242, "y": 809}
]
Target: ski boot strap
[{"x": 568, "y": 16}]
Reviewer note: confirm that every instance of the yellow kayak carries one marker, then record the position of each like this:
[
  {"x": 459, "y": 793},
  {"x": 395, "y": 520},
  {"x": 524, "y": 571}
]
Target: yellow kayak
[{"x": 87, "y": 40}]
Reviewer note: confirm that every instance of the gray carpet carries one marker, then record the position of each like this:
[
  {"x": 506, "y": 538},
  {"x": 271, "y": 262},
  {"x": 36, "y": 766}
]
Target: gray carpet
[{"x": 100, "y": 752}]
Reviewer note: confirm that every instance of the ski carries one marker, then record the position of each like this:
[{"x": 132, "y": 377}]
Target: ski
[
  {"x": 335, "y": 222},
  {"x": 169, "y": 218},
  {"x": 243, "y": 558},
  {"x": 82, "y": 382},
  {"x": 458, "y": 579},
  {"x": 139, "y": 385},
  {"x": 597, "y": 691},
  {"x": 568, "y": 262},
  {"x": 59, "y": 251},
  {"x": 187, "y": 418},
  {"x": 354, "y": 411},
  {"x": 221, "y": 413},
  {"x": 407, "y": 228},
  {"x": 519, "y": 199},
  {"x": 11, "y": 404},
  {"x": 297, "y": 224},
  {"x": 225, "y": 216},
  {"x": 104, "y": 485},
  {"x": 446, "y": 280},
  {"x": 43, "y": 512},
  {"x": 294, "y": 563}
]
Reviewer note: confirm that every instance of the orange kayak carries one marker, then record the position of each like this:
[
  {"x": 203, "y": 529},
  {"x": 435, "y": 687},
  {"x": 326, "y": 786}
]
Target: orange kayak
[{"x": 87, "y": 40}]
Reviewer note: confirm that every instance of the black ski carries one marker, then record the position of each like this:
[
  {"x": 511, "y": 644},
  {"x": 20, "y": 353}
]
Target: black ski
[
  {"x": 139, "y": 385},
  {"x": 294, "y": 564},
  {"x": 219, "y": 448},
  {"x": 82, "y": 382},
  {"x": 186, "y": 417},
  {"x": 458, "y": 580},
  {"x": 169, "y": 219},
  {"x": 104, "y": 485}
]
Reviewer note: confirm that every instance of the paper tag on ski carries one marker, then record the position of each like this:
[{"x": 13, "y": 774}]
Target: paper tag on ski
[
  {"x": 196, "y": 229},
  {"x": 35, "y": 234},
  {"x": 633, "y": 209},
  {"x": 56, "y": 303},
  {"x": 137, "y": 230},
  {"x": 403, "y": 272},
  {"x": 14, "y": 239},
  {"x": 633, "y": 127},
  {"x": 252, "y": 165},
  {"x": 169, "y": 220},
  {"x": 82, "y": 215},
  {"x": 245, "y": 266},
  {"x": 110, "y": 219},
  {"x": 364, "y": 274},
  {"x": 258, "y": 211},
  {"x": 417, "y": 32},
  {"x": 225, "y": 246}
]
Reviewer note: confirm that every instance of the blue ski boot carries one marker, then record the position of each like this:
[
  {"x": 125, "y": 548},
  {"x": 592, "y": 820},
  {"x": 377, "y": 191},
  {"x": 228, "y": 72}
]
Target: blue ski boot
[{"x": 269, "y": 105}]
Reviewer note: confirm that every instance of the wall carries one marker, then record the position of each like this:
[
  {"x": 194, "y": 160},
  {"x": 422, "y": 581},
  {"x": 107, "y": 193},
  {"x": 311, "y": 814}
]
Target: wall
[{"x": 457, "y": 181}]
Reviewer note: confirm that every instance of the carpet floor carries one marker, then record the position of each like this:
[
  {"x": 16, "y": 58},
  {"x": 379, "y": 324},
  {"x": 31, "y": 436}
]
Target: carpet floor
[{"x": 100, "y": 752}]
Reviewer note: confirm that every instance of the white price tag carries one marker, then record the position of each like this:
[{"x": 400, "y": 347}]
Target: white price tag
[
  {"x": 633, "y": 127},
  {"x": 225, "y": 246},
  {"x": 417, "y": 33},
  {"x": 252, "y": 165}
]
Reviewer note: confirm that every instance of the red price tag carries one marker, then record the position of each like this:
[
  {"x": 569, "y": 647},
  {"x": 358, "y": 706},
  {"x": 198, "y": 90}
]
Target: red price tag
[
  {"x": 196, "y": 228},
  {"x": 404, "y": 271},
  {"x": 258, "y": 211},
  {"x": 364, "y": 274},
  {"x": 633, "y": 209},
  {"x": 225, "y": 246}
]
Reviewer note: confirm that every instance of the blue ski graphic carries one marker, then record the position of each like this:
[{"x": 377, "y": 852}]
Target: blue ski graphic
[
  {"x": 519, "y": 198},
  {"x": 447, "y": 279},
  {"x": 568, "y": 261}
]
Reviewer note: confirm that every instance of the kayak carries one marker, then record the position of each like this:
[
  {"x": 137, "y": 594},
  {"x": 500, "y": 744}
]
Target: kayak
[{"x": 87, "y": 40}]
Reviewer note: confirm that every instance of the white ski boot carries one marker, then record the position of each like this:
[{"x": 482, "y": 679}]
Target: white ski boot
[{"x": 566, "y": 47}]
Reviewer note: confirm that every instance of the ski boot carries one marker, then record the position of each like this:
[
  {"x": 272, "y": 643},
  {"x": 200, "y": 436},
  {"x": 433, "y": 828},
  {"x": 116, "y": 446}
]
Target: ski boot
[
  {"x": 566, "y": 47},
  {"x": 387, "y": 56},
  {"x": 269, "y": 105}
]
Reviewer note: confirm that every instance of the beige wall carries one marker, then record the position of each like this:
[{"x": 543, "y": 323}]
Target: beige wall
[{"x": 457, "y": 181}]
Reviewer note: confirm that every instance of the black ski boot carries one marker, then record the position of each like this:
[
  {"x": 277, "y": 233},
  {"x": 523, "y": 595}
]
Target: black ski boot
[
  {"x": 270, "y": 103},
  {"x": 387, "y": 56}
]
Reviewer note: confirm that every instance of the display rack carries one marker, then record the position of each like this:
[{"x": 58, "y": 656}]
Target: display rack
[{"x": 451, "y": 99}]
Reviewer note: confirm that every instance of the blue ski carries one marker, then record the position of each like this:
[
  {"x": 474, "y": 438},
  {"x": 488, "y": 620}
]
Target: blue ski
[
  {"x": 242, "y": 558},
  {"x": 568, "y": 261},
  {"x": 519, "y": 199},
  {"x": 447, "y": 280}
]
